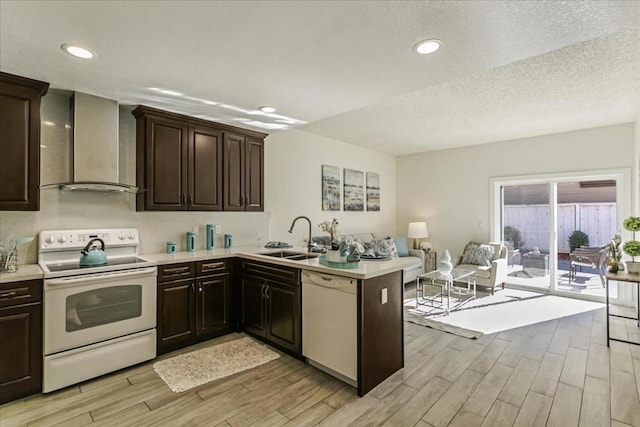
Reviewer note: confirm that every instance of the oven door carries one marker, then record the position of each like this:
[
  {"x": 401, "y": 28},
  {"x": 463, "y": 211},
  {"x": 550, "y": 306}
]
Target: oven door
[{"x": 81, "y": 310}]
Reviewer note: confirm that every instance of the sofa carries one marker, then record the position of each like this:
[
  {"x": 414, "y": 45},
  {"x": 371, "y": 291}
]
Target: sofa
[
  {"x": 400, "y": 249},
  {"x": 488, "y": 260}
]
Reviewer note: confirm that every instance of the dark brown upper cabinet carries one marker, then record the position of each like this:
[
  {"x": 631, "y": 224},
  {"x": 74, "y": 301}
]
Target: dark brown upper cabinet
[
  {"x": 20, "y": 142},
  {"x": 243, "y": 173},
  {"x": 181, "y": 161}
]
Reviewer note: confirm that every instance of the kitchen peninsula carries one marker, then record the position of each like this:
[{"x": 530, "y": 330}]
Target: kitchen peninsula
[{"x": 378, "y": 295}]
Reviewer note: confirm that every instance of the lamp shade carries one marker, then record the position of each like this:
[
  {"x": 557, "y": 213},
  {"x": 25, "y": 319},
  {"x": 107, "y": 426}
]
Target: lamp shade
[{"x": 418, "y": 230}]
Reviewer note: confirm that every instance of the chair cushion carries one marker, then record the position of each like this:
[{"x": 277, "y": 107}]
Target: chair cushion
[
  {"x": 401, "y": 246},
  {"x": 417, "y": 264},
  {"x": 481, "y": 271},
  {"x": 478, "y": 254}
]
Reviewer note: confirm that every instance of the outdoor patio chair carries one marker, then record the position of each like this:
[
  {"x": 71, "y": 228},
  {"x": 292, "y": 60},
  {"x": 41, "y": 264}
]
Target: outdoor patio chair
[{"x": 589, "y": 257}]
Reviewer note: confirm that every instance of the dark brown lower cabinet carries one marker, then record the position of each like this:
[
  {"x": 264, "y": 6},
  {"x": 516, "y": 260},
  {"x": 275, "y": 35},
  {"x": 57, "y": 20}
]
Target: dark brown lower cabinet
[
  {"x": 176, "y": 314},
  {"x": 253, "y": 305},
  {"x": 194, "y": 308},
  {"x": 271, "y": 304},
  {"x": 213, "y": 310},
  {"x": 20, "y": 339},
  {"x": 283, "y": 314}
]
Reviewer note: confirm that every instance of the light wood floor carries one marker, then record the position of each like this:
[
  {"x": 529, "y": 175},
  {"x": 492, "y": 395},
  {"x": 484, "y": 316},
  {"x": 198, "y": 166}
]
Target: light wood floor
[{"x": 557, "y": 373}]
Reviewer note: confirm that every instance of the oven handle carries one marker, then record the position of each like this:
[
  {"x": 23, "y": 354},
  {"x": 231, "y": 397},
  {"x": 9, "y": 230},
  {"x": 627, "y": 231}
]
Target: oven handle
[{"x": 101, "y": 276}]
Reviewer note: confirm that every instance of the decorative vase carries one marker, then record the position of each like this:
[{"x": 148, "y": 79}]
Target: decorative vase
[
  {"x": 335, "y": 256},
  {"x": 612, "y": 265},
  {"x": 633, "y": 267},
  {"x": 445, "y": 266}
]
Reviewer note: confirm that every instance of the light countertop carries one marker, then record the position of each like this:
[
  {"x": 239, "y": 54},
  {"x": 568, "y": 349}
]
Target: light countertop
[
  {"x": 25, "y": 272},
  {"x": 365, "y": 270}
]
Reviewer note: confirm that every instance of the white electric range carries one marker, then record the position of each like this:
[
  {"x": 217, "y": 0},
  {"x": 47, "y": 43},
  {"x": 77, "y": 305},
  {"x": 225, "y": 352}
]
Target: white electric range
[{"x": 97, "y": 319}]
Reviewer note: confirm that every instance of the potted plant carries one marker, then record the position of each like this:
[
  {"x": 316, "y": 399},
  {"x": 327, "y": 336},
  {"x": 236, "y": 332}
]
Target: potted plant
[
  {"x": 333, "y": 228},
  {"x": 578, "y": 239},
  {"x": 632, "y": 247},
  {"x": 513, "y": 236}
]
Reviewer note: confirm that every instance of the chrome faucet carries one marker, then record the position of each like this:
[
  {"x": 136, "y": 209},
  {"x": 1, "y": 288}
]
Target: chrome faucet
[{"x": 309, "y": 245}]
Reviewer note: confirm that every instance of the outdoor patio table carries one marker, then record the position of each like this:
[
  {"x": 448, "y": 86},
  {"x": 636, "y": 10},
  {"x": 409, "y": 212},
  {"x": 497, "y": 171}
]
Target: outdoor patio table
[
  {"x": 444, "y": 283},
  {"x": 535, "y": 265}
]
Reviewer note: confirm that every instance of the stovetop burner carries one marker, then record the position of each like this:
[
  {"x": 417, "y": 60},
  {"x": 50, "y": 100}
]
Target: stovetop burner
[{"x": 66, "y": 266}]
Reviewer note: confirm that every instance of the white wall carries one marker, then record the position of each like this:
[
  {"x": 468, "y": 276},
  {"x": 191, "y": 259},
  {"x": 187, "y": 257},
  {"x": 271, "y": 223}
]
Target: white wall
[
  {"x": 450, "y": 190},
  {"x": 636, "y": 173},
  {"x": 293, "y": 161}
]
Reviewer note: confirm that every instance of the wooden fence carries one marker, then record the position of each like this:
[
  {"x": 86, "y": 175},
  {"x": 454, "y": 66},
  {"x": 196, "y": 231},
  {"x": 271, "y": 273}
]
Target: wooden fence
[{"x": 597, "y": 220}]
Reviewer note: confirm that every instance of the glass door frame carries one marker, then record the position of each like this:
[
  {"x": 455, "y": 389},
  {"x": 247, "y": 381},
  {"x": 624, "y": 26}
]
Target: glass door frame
[{"x": 622, "y": 176}]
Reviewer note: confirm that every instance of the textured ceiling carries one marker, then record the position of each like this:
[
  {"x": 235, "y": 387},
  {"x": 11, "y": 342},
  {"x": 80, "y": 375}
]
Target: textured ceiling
[
  {"x": 506, "y": 69},
  {"x": 589, "y": 84}
]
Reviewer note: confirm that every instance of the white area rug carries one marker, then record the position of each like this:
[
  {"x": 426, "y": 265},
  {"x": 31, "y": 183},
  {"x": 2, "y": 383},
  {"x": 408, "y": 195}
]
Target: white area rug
[
  {"x": 507, "y": 309},
  {"x": 190, "y": 370}
]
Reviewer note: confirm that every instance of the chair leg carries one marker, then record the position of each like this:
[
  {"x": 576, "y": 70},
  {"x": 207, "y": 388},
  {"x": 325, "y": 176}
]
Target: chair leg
[
  {"x": 571, "y": 272},
  {"x": 502, "y": 285}
]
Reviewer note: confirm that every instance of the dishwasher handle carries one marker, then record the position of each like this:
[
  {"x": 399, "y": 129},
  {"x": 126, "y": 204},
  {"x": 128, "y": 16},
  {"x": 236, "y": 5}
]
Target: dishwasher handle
[{"x": 343, "y": 284}]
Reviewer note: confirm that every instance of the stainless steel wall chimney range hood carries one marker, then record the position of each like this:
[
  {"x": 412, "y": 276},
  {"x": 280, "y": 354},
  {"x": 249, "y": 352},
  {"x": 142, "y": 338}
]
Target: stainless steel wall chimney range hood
[{"x": 95, "y": 147}]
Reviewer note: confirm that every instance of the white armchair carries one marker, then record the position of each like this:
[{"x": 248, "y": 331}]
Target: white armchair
[{"x": 488, "y": 260}]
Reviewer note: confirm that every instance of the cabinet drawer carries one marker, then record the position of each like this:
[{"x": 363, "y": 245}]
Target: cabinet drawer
[
  {"x": 169, "y": 272},
  {"x": 211, "y": 267},
  {"x": 273, "y": 272},
  {"x": 16, "y": 293}
]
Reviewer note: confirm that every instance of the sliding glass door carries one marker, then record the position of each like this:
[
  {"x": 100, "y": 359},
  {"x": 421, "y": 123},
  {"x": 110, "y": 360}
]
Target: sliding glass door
[
  {"x": 557, "y": 228},
  {"x": 525, "y": 232}
]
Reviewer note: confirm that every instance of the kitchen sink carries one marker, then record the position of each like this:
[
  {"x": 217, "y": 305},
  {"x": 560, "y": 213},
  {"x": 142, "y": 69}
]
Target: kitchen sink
[{"x": 293, "y": 256}]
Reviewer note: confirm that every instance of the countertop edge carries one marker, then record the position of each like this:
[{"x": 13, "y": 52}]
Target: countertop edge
[
  {"x": 25, "y": 272},
  {"x": 366, "y": 270}
]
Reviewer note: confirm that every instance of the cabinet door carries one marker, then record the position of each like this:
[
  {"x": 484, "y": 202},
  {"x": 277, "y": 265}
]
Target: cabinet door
[
  {"x": 234, "y": 179},
  {"x": 253, "y": 305},
  {"x": 283, "y": 322},
  {"x": 176, "y": 314},
  {"x": 205, "y": 169},
  {"x": 254, "y": 175},
  {"x": 21, "y": 351},
  {"x": 166, "y": 164},
  {"x": 20, "y": 142},
  {"x": 213, "y": 301}
]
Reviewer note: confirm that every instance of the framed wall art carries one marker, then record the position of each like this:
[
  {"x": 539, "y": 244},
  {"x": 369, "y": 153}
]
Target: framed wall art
[
  {"x": 353, "y": 190},
  {"x": 373, "y": 191},
  {"x": 330, "y": 188}
]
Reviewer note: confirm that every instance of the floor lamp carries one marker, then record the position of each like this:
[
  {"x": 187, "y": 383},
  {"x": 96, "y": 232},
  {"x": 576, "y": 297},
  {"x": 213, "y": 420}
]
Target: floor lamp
[{"x": 417, "y": 230}]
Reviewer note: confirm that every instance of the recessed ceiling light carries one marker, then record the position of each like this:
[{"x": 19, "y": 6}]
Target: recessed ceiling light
[
  {"x": 77, "y": 51},
  {"x": 267, "y": 109},
  {"x": 426, "y": 47}
]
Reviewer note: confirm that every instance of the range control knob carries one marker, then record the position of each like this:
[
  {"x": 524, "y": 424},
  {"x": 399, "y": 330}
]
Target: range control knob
[
  {"x": 121, "y": 236},
  {"x": 50, "y": 239},
  {"x": 62, "y": 239},
  {"x": 132, "y": 235}
]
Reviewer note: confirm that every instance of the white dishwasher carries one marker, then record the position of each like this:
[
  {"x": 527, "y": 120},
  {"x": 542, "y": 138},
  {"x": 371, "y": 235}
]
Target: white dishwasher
[{"x": 329, "y": 324}]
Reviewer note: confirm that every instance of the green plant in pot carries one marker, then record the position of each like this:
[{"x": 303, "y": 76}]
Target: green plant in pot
[
  {"x": 577, "y": 239},
  {"x": 632, "y": 247}
]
